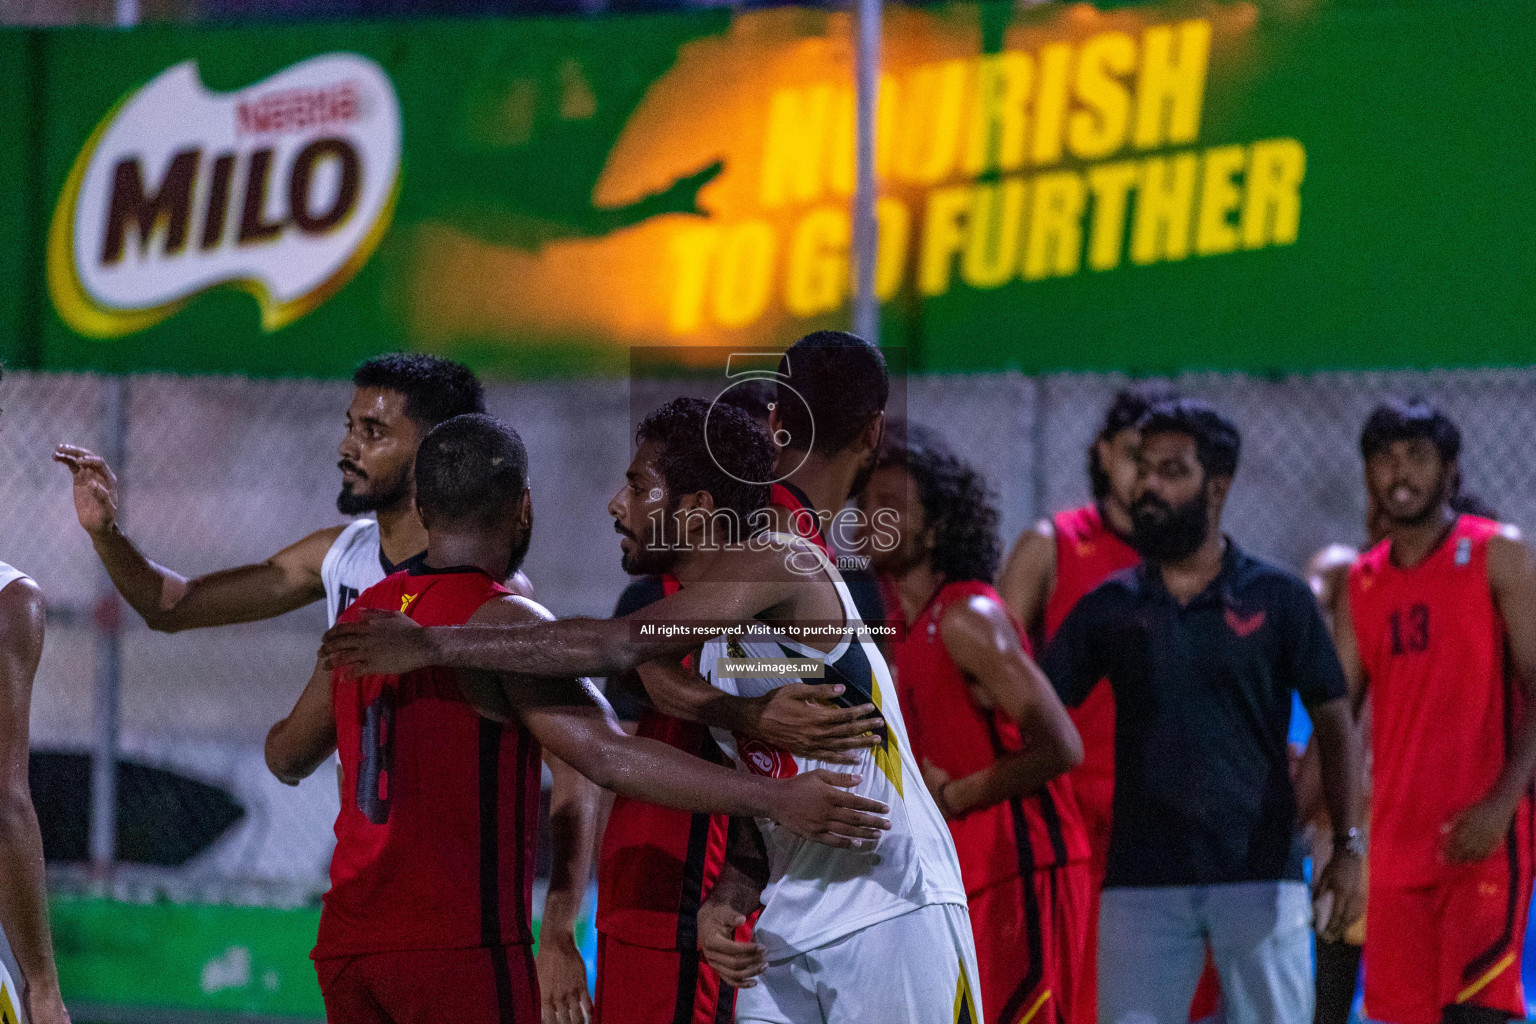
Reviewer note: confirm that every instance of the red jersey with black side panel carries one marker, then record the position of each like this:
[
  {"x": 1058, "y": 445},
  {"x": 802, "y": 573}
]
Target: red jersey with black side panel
[
  {"x": 1031, "y": 850},
  {"x": 656, "y": 866},
  {"x": 1444, "y": 710},
  {"x": 436, "y": 841}
]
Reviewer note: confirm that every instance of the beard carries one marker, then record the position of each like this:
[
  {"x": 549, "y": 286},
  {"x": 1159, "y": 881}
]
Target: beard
[
  {"x": 642, "y": 559},
  {"x": 350, "y": 503},
  {"x": 1168, "y": 533},
  {"x": 1427, "y": 511}
]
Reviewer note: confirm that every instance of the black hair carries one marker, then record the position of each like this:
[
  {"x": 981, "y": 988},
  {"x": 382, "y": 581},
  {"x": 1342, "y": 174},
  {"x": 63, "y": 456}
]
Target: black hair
[
  {"x": 752, "y": 397},
  {"x": 435, "y": 389},
  {"x": 469, "y": 469},
  {"x": 844, "y": 384},
  {"x": 958, "y": 505},
  {"x": 1463, "y": 503},
  {"x": 1399, "y": 420},
  {"x": 1125, "y": 410},
  {"x": 725, "y": 464},
  {"x": 1217, "y": 441}
]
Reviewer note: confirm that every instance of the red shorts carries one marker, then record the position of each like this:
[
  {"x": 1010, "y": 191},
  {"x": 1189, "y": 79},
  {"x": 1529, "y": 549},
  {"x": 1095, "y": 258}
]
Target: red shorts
[
  {"x": 1457, "y": 941},
  {"x": 1029, "y": 934},
  {"x": 639, "y": 985},
  {"x": 486, "y": 985}
]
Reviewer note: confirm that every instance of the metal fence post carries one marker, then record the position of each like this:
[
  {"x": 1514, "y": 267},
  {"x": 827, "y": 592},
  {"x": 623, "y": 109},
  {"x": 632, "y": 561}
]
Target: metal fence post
[
  {"x": 109, "y": 656},
  {"x": 866, "y": 304}
]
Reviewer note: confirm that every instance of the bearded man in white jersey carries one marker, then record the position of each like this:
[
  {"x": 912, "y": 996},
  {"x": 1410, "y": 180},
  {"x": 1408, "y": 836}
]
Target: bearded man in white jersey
[
  {"x": 397, "y": 399},
  {"x": 896, "y": 899}
]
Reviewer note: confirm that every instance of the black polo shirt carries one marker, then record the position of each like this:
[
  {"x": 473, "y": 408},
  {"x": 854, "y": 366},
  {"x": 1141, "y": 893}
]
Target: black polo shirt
[{"x": 1203, "y": 704}]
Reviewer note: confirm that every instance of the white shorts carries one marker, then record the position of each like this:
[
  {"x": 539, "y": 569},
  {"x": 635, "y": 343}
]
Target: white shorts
[{"x": 919, "y": 968}]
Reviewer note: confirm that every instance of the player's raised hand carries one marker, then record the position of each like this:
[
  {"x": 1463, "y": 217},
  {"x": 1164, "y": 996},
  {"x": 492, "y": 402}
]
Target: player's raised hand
[
  {"x": 802, "y": 719},
  {"x": 562, "y": 980},
  {"x": 737, "y": 963},
  {"x": 816, "y": 805},
  {"x": 376, "y": 644},
  {"x": 95, "y": 487}
]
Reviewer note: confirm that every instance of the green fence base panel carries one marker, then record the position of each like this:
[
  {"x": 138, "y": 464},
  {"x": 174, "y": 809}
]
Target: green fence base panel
[{"x": 157, "y": 963}]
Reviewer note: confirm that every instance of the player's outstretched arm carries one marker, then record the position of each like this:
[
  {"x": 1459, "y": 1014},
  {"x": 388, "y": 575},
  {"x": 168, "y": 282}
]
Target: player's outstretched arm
[
  {"x": 300, "y": 743},
  {"x": 736, "y": 894},
  {"x": 573, "y": 807},
  {"x": 799, "y": 717},
  {"x": 170, "y": 602},
  {"x": 1029, "y": 574},
  {"x": 386, "y": 643},
  {"x": 23, "y": 897},
  {"x": 1476, "y": 833},
  {"x": 981, "y": 639}
]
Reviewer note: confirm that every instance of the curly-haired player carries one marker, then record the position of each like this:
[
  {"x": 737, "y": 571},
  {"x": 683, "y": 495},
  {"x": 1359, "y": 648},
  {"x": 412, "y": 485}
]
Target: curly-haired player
[{"x": 992, "y": 737}]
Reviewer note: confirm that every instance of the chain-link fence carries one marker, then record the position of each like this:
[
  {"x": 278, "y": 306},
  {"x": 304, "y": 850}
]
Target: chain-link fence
[{"x": 218, "y": 472}]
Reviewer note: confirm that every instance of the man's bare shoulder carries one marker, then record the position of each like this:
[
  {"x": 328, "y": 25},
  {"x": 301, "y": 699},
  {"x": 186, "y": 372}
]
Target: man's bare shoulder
[
  {"x": 309, "y": 553},
  {"x": 21, "y": 602},
  {"x": 510, "y": 610},
  {"x": 22, "y": 613},
  {"x": 1510, "y": 556}
]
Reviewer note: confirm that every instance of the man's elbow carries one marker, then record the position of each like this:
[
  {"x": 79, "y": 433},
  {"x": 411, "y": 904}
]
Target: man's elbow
[
  {"x": 1069, "y": 749},
  {"x": 279, "y": 762}
]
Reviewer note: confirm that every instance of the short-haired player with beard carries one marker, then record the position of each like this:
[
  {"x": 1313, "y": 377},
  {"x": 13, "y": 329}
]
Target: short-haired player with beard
[
  {"x": 657, "y": 863},
  {"x": 397, "y": 398},
  {"x": 990, "y": 733},
  {"x": 828, "y": 913},
  {"x": 1439, "y": 628}
]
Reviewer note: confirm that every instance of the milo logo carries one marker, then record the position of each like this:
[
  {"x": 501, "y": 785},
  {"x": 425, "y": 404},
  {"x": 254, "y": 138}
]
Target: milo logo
[{"x": 283, "y": 189}]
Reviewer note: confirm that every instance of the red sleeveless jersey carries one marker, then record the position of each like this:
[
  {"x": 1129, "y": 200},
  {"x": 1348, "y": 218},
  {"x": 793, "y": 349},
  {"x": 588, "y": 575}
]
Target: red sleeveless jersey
[
  {"x": 437, "y": 837},
  {"x": 1087, "y": 554},
  {"x": 1443, "y": 707},
  {"x": 948, "y": 726},
  {"x": 658, "y": 863}
]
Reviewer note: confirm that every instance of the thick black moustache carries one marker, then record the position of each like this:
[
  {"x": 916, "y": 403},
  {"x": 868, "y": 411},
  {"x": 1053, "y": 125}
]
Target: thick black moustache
[
  {"x": 618, "y": 528},
  {"x": 351, "y": 466}
]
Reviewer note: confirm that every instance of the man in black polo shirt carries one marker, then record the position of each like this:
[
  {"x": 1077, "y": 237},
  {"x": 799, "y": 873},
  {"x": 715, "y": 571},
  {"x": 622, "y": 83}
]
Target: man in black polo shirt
[{"x": 1203, "y": 646}]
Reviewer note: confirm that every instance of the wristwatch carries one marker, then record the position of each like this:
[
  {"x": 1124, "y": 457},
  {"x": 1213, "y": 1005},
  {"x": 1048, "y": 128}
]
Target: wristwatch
[{"x": 1350, "y": 842}]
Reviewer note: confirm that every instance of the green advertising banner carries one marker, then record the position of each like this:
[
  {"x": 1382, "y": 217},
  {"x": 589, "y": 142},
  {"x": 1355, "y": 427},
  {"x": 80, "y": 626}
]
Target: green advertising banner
[{"x": 1292, "y": 184}]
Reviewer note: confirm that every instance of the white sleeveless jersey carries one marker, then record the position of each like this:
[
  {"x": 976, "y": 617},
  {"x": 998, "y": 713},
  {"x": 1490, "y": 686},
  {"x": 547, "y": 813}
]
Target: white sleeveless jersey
[
  {"x": 353, "y": 563},
  {"x": 817, "y": 894}
]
